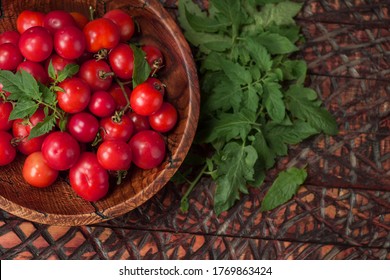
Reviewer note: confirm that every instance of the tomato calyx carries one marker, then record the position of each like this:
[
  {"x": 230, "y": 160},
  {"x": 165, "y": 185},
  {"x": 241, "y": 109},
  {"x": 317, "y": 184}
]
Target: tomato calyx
[
  {"x": 104, "y": 75},
  {"x": 120, "y": 175}
]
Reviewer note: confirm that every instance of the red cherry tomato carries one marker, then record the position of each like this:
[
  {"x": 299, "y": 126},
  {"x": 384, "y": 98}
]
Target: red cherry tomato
[
  {"x": 97, "y": 74},
  {"x": 112, "y": 130},
  {"x": 154, "y": 57},
  {"x": 80, "y": 19},
  {"x": 117, "y": 93},
  {"x": 157, "y": 84},
  {"x": 83, "y": 126},
  {"x": 10, "y": 37},
  {"x": 5, "y": 111},
  {"x": 164, "y": 119},
  {"x": 36, "y": 44},
  {"x": 122, "y": 61},
  {"x": 10, "y": 56},
  {"x": 124, "y": 21},
  {"x": 102, "y": 104},
  {"x": 69, "y": 42},
  {"x": 114, "y": 155},
  {"x": 58, "y": 19},
  {"x": 100, "y": 34},
  {"x": 35, "y": 69},
  {"x": 140, "y": 122},
  {"x": 75, "y": 97},
  {"x": 148, "y": 149},
  {"x": 145, "y": 99},
  {"x": 88, "y": 178},
  {"x": 7, "y": 150},
  {"x": 37, "y": 172},
  {"x": 58, "y": 62},
  {"x": 28, "y": 19},
  {"x": 60, "y": 150},
  {"x": 21, "y": 130}
]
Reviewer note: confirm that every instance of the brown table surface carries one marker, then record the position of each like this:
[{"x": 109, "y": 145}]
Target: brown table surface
[{"x": 343, "y": 211}]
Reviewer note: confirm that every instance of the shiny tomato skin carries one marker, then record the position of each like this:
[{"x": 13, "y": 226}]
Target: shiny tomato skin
[
  {"x": 7, "y": 150},
  {"x": 154, "y": 57},
  {"x": 35, "y": 69},
  {"x": 148, "y": 149},
  {"x": 10, "y": 37},
  {"x": 27, "y": 19},
  {"x": 37, "y": 172},
  {"x": 21, "y": 131},
  {"x": 36, "y": 44},
  {"x": 140, "y": 122},
  {"x": 5, "y": 111},
  {"x": 57, "y": 19},
  {"x": 10, "y": 56},
  {"x": 76, "y": 95},
  {"x": 164, "y": 119},
  {"x": 112, "y": 130},
  {"x": 124, "y": 21},
  {"x": 145, "y": 99},
  {"x": 60, "y": 150},
  {"x": 157, "y": 84},
  {"x": 102, "y": 104},
  {"x": 96, "y": 74},
  {"x": 116, "y": 92},
  {"x": 69, "y": 42},
  {"x": 83, "y": 127},
  {"x": 121, "y": 60},
  {"x": 114, "y": 155},
  {"x": 88, "y": 178},
  {"x": 101, "y": 33},
  {"x": 58, "y": 62}
]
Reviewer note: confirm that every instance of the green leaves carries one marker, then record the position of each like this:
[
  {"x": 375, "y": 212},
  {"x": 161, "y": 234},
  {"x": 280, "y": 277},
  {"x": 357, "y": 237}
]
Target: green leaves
[
  {"x": 254, "y": 103},
  {"x": 141, "y": 69}
]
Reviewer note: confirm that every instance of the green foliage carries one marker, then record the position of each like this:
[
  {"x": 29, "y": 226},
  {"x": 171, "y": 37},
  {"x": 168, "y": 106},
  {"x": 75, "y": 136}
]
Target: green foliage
[
  {"x": 254, "y": 103},
  {"x": 141, "y": 69}
]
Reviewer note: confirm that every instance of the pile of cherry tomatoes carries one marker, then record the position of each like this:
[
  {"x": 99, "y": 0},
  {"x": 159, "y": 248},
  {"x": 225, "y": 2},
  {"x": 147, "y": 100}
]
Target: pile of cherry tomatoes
[{"x": 108, "y": 124}]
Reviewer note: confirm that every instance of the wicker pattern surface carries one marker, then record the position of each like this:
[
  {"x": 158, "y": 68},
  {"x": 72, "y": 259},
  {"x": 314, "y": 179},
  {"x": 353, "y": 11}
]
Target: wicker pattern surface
[{"x": 343, "y": 211}]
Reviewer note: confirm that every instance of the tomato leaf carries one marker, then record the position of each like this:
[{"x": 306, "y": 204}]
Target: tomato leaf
[
  {"x": 141, "y": 69},
  {"x": 23, "y": 109},
  {"x": 43, "y": 127},
  {"x": 69, "y": 71},
  {"x": 283, "y": 188}
]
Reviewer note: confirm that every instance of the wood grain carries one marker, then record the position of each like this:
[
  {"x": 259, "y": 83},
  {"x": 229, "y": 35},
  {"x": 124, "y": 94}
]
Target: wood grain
[{"x": 58, "y": 204}]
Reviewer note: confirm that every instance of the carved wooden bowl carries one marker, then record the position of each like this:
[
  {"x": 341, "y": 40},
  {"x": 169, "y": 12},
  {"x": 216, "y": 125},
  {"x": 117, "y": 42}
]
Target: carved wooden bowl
[{"x": 58, "y": 204}]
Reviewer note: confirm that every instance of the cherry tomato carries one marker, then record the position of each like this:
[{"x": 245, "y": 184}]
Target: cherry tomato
[
  {"x": 60, "y": 150},
  {"x": 36, "y": 44},
  {"x": 140, "y": 122},
  {"x": 75, "y": 97},
  {"x": 124, "y": 21},
  {"x": 117, "y": 93},
  {"x": 122, "y": 61},
  {"x": 58, "y": 19},
  {"x": 35, "y": 69},
  {"x": 5, "y": 111},
  {"x": 7, "y": 150},
  {"x": 148, "y": 149},
  {"x": 154, "y": 57},
  {"x": 102, "y": 104},
  {"x": 97, "y": 74},
  {"x": 88, "y": 178},
  {"x": 157, "y": 84},
  {"x": 21, "y": 130},
  {"x": 145, "y": 99},
  {"x": 58, "y": 62},
  {"x": 83, "y": 126},
  {"x": 100, "y": 34},
  {"x": 37, "y": 172},
  {"x": 164, "y": 119},
  {"x": 28, "y": 19},
  {"x": 10, "y": 37},
  {"x": 69, "y": 42},
  {"x": 10, "y": 56},
  {"x": 114, "y": 155},
  {"x": 80, "y": 19},
  {"x": 112, "y": 130}
]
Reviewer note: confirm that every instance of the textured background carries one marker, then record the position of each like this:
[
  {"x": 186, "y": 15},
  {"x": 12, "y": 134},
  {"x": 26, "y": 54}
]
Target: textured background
[{"x": 343, "y": 211}]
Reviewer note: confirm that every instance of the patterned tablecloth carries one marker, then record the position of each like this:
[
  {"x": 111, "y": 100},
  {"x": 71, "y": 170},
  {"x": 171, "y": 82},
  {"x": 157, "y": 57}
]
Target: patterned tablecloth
[{"x": 343, "y": 211}]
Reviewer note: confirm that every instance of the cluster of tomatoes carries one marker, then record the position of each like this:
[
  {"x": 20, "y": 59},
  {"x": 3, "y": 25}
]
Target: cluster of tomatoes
[{"x": 108, "y": 125}]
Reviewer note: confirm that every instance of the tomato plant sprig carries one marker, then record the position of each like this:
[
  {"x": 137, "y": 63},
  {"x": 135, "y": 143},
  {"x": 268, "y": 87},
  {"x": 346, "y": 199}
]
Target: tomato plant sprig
[{"x": 254, "y": 102}]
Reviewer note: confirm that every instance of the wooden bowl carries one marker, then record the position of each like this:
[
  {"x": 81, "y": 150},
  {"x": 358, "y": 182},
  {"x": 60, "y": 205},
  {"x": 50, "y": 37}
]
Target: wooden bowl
[{"x": 58, "y": 204}]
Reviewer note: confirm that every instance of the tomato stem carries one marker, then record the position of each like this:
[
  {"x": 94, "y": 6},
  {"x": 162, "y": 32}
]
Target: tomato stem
[
  {"x": 184, "y": 199},
  {"x": 91, "y": 13},
  {"x": 122, "y": 86}
]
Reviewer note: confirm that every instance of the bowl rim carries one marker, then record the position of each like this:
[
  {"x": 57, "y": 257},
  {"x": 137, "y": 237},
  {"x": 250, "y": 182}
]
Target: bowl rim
[{"x": 126, "y": 206}]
